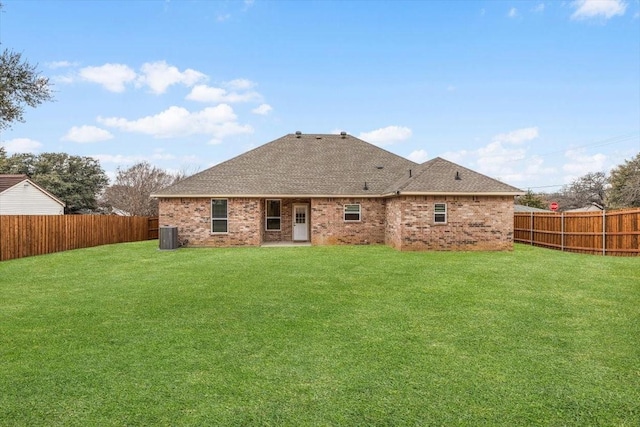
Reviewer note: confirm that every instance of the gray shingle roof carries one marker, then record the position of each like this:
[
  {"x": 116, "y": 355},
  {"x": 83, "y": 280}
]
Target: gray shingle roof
[
  {"x": 442, "y": 176},
  {"x": 325, "y": 165}
]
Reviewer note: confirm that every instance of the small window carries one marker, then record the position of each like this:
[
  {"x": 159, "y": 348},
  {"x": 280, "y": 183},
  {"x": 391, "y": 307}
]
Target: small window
[
  {"x": 440, "y": 213},
  {"x": 272, "y": 211},
  {"x": 219, "y": 219},
  {"x": 352, "y": 212}
]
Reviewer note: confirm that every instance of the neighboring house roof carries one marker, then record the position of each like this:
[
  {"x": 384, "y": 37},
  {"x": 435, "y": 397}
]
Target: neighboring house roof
[
  {"x": 522, "y": 208},
  {"x": 593, "y": 207},
  {"x": 8, "y": 181},
  {"x": 330, "y": 165}
]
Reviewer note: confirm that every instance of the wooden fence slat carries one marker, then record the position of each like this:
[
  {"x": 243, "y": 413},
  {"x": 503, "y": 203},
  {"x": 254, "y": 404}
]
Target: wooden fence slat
[
  {"x": 604, "y": 233},
  {"x": 29, "y": 235}
]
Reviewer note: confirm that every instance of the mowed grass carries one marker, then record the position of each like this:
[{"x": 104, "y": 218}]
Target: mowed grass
[{"x": 129, "y": 335}]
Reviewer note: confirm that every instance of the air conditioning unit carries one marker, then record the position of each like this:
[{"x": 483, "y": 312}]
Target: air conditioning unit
[{"x": 168, "y": 238}]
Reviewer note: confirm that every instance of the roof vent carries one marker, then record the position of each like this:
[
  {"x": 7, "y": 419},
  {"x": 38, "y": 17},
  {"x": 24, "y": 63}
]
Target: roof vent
[
  {"x": 318, "y": 137},
  {"x": 366, "y": 187},
  {"x": 409, "y": 173},
  {"x": 343, "y": 134},
  {"x": 458, "y": 176},
  {"x": 379, "y": 167},
  {"x": 298, "y": 134}
]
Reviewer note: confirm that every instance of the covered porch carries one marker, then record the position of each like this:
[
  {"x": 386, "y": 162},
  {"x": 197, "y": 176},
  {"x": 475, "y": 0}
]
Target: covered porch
[{"x": 286, "y": 221}]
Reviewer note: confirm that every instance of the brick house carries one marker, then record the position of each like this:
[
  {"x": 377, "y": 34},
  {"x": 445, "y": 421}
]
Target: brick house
[{"x": 337, "y": 189}]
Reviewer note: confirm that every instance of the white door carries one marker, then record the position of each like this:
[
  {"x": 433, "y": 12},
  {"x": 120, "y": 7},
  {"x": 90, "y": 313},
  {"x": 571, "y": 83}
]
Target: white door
[{"x": 300, "y": 228}]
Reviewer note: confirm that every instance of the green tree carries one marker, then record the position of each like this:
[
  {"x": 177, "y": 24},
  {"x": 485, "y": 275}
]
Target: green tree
[
  {"x": 20, "y": 85},
  {"x": 75, "y": 180},
  {"x": 625, "y": 184},
  {"x": 532, "y": 199},
  {"x": 132, "y": 189}
]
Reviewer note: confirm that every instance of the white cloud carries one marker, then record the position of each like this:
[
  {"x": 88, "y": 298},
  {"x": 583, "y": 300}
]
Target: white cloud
[
  {"x": 218, "y": 121},
  {"x": 21, "y": 145},
  {"x": 84, "y": 134},
  {"x": 513, "y": 13},
  {"x": 579, "y": 163},
  {"x": 160, "y": 75},
  {"x": 118, "y": 159},
  {"x": 387, "y": 135},
  {"x": 61, "y": 64},
  {"x": 262, "y": 109},
  {"x": 517, "y": 136},
  {"x": 585, "y": 9},
  {"x": 240, "y": 84},
  {"x": 222, "y": 18},
  {"x": 418, "y": 156},
  {"x": 204, "y": 93},
  {"x": 539, "y": 8},
  {"x": 66, "y": 79},
  {"x": 503, "y": 157},
  {"x": 112, "y": 77}
]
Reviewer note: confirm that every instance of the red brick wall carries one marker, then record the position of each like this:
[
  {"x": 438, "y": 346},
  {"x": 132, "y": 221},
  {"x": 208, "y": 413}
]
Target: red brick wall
[
  {"x": 473, "y": 223},
  {"x": 192, "y": 216},
  {"x": 328, "y": 226},
  {"x": 405, "y": 223},
  {"x": 393, "y": 226}
]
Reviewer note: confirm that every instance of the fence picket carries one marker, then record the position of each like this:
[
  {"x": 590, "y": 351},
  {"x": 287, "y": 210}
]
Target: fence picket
[
  {"x": 29, "y": 235},
  {"x": 605, "y": 233}
]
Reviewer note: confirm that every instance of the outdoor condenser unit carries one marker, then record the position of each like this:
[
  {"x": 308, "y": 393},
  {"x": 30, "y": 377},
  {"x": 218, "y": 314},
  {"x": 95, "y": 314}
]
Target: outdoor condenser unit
[{"x": 168, "y": 238}]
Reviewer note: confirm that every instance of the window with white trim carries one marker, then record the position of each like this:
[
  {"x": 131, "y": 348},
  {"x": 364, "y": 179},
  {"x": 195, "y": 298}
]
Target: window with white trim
[
  {"x": 219, "y": 218},
  {"x": 352, "y": 213},
  {"x": 272, "y": 213},
  {"x": 440, "y": 213}
]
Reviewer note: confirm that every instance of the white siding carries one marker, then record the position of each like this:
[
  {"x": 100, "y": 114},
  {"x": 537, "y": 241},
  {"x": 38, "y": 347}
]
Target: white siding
[{"x": 26, "y": 199}]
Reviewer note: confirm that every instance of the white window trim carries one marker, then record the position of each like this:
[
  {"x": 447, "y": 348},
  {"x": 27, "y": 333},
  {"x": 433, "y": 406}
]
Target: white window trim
[
  {"x": 445, "y": 213},
  {"x": 267, "y": 218},
  {"x": 220, "y": 219},
  {"x": 344, "y": 214}
]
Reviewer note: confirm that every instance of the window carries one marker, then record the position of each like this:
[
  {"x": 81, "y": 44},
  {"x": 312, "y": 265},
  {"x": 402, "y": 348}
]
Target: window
[
  {"x": 219, "y": 219},
  {"x": 352, "y": 212},
  {"x": 272, "y": 210},
  {"x": 440, "y": 213}
]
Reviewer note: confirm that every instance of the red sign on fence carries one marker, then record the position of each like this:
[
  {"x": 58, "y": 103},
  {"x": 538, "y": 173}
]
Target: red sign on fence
[{"x": 554, "y": 206}]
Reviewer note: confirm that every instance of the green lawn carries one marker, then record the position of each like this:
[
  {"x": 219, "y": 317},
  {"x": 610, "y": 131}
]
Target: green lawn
[{"x": 129, "y": 335}]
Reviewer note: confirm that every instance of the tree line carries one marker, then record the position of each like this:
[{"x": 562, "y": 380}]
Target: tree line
[
  {"x": 619, "y": 189},
  {"x": 82, "y": 184}
]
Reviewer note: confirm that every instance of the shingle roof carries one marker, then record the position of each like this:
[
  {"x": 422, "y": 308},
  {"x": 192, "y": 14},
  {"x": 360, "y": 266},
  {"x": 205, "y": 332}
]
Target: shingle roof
[
  {"x": 8, "y": 181},
  {"x": 327, "y": 165},
  {"x": 442, "y": 176},
  {"x": 527, "y": 209}
]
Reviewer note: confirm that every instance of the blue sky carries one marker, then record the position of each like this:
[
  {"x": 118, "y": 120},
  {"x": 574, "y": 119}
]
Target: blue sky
[{"x": 535, "y": 93}]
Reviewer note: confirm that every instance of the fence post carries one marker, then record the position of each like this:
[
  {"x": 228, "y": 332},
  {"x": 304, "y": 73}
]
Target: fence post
[
  {"x": 531, "y": 229},
  {"x": 562, "y": 231},
  {"x": 604, "y": 232}
]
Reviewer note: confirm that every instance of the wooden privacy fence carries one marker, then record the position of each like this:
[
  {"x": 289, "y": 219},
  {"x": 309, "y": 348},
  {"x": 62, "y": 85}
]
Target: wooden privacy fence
[
  {"x": 28, "y": 235},
  {"x": 604, "y": 233}
]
